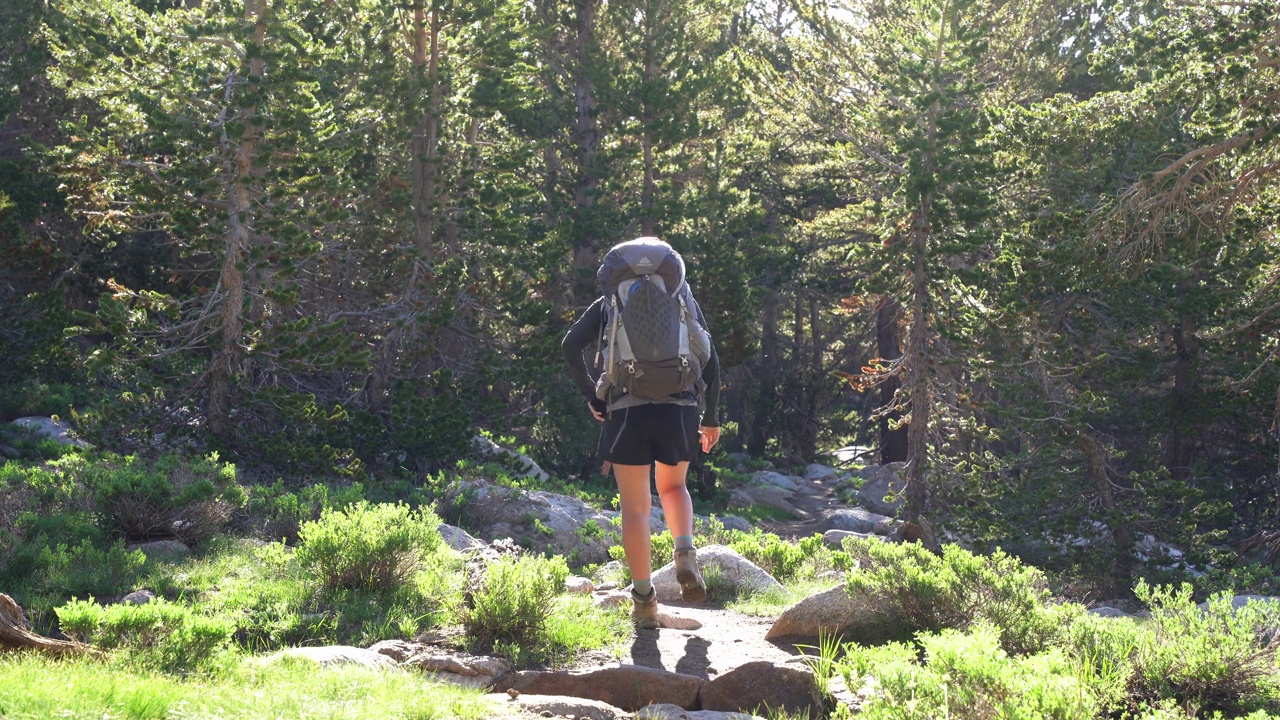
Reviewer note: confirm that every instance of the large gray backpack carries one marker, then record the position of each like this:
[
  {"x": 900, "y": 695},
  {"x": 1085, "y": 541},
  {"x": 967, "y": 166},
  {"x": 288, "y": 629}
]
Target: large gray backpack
[{"x": 652, "y": 344}]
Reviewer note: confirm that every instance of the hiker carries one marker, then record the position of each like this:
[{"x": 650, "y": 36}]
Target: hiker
[{"x": 642, "y": 358}]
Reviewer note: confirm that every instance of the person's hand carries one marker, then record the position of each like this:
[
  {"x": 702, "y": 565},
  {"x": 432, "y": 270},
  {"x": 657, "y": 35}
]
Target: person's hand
[
  {"x": 710, "y": 436},
  {"x": 599, "y": 409}
]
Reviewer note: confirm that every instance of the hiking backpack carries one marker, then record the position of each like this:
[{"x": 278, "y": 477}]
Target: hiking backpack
[{"x": 652, "y": 344}]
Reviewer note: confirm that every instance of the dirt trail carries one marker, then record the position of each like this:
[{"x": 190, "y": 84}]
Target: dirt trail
[
  {"x": 812, "y": 501},
  {"x": 725, "y": 640}
]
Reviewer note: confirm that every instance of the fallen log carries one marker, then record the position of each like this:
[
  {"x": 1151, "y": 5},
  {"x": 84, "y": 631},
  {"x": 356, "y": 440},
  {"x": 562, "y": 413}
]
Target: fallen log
[{"x": 14, "y": 634}]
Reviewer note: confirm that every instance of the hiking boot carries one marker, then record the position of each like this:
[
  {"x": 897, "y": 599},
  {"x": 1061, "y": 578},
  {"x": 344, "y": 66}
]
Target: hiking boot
[
  {"x": 692, "y": 586},
  {"x": 644, "y": 610}
]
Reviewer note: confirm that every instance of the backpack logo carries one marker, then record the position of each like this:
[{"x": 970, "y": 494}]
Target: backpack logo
[{"x": 645, "y": 262}]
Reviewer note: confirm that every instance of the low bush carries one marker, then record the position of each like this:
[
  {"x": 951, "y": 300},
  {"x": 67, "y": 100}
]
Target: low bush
[
  {"x": 171, "y": 497},
  {"x": 784, "y": 560},
  {"x": 1213, "y": 659},
  {"x": 85, "y": 569},
  {"x": 928, "y": 592},
  {"x": 367, "y": 547},
  {"x": 160, "y": 634},
  {"x": 966, "y": 676},
  {"x": 277, "y": 511},
  {"x": 514, "y": 601}
]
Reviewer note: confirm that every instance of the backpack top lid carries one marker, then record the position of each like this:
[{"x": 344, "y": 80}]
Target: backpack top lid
[{"x": 642, "y": 256}]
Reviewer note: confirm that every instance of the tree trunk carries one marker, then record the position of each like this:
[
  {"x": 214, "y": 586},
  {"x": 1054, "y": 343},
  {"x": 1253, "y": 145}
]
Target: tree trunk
[
  {"x": 239, "y": 226},
  {"x": 918, "y": 385},
  {"x": 761, "y": 420},
  {"x": 424, "y": 169},
  {"x": 1121, "y": 533},
  {"x": 586, "y": 251},
  {"x": 14, "y": 634},
  {"x": 648, "y": 117},
  {"x": 734, "y": 399},
  {"x": 426, "y": 135},
  {"x": 1178, "y": 447},
  {"x": 893, "y": 442}
]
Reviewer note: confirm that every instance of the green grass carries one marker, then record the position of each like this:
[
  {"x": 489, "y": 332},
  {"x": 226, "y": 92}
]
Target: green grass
[{"x": 251, "y": 689}]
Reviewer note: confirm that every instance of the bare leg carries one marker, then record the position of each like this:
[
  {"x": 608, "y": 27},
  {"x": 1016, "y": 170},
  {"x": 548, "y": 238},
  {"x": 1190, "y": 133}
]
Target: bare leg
[
  {"x": 677, "y": 506},
  {"x": 634, "y": 502}
]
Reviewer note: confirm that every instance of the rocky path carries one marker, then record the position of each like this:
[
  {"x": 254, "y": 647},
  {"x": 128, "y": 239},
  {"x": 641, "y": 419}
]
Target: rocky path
[
  {"x": 721, "y": 641},
  {"x": 813, "y": 501}
]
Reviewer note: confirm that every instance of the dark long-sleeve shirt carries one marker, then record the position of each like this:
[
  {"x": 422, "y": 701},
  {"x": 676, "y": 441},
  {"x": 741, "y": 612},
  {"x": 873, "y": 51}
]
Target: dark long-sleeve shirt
[{"x": 579, "y": 346}]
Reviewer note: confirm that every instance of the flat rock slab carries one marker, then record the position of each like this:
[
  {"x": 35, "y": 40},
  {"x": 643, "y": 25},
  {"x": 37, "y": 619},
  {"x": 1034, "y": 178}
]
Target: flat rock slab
[
  {"x": 335, "y": 655},
  {"x": 675, "y": 712},
  {"x": 629, "y": 687},
  {"x": 723, "y": 642},
  {"x": 558, "y": 706},
  {"x": 762, "y": 686}
]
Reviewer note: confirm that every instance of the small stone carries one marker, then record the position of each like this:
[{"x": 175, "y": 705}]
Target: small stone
[
  {"x": 513, "y": 693},
  {"x": 579, "y": 586},
  {"x": 138, "y": 597}
]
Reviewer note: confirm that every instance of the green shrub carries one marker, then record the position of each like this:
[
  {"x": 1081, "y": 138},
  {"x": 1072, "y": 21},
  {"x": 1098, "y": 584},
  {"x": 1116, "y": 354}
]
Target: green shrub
[
  {"x": 172, "y": 496},
  {"x": 966, "y": 676},
  {"x": 1201, "y": 660},
  {"x": 1214, "y": 659},
  {"x": 169, "y": 636},
  {"x": 278, "y": 512},
  {"x": 927, "y": 592},
  {"x": 784, "y": 560},
  {"x": 515, "y": 600},
  {"x": 370, "y": 547},
  {"x": 85, "y": 569}
]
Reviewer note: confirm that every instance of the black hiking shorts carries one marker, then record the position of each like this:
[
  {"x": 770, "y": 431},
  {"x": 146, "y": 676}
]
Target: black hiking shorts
[{"x": 644, "y": 434}]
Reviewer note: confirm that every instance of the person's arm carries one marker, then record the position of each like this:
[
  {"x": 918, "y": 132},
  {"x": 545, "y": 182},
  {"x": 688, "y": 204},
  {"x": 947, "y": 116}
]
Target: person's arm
[
  {"x": 711, "y": 377},
  {"x": 581, "y": 338}
]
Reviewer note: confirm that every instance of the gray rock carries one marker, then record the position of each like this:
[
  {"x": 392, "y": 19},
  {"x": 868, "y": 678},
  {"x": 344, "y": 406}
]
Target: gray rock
[
  {"x": 561, "y": 706},
  {"x": 767, "y": 495},
  {"x": 675, "y": 712},
  {"x": 1240, "y": 601},
  {"x": 610, "y": 599},
  {"x": 337, "y": 655},
  {"x": 835, "y": 538},
  {"x": 629, "y": 687},
  {"x": 733, "y": 522},
  {"x": 880, "y": 481},
  {"x": 579, "y": 586},
  {"x": 166, "y": 549},
  {"x": 736, "y": 572},
  {"x": 398, "y": 650},
  {"x": 854, "y": 519},
  {"x": 138, "y": 597},
  {"x": 527, "y": 467},
  {"x": 821, "y": 473},
  {"x": 459, "y": 539},
  {"x": 761, "y": 686},
  {"x": 547, "y": 521},
  {"x": 434, "y": 659},
  {"x": 834, "y": 611},
  {"x": 1110, "y": 612},
  {"x": 52, "y": 429},
  {"x": 738, "y": 461},
  {"x": 675, "y": 622},
  {"x": 776, "y": 479}
]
